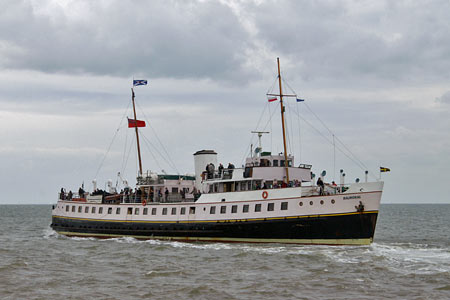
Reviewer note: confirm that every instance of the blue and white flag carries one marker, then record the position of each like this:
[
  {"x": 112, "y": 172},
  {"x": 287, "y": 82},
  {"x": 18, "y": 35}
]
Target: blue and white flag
[{"x": 139, "y": 82}]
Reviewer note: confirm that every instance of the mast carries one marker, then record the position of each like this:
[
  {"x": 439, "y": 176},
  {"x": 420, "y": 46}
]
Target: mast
[
  {"x": 137, "y": 134},
  {"x": 282, "y": 124}
]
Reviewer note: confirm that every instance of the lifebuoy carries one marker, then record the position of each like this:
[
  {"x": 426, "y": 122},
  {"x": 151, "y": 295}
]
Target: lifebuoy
[
  {"x": 265, "y": 194},
  {"x": 144, "y": 203}
]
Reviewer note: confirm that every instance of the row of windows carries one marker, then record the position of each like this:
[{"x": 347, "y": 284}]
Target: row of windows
[{"x": 173, "y": 210}]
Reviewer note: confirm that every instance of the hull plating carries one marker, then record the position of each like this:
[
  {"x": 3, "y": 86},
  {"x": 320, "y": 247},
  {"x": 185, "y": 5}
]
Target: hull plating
[{"x": 351, "y": 228}]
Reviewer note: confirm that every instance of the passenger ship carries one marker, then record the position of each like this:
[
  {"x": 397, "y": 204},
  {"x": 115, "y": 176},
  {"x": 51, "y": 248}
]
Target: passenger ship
[{"x": 269, "y": 200}]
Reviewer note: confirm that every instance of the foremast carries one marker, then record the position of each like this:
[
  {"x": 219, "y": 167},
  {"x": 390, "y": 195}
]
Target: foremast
[{"x": 137, "y": 133}]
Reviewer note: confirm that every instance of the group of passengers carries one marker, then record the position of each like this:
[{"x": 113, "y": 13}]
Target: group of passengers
[{"x": 210, "y": 169}]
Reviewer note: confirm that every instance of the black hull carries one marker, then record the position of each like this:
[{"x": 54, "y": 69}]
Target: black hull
[{"x": 351, "y": 228}]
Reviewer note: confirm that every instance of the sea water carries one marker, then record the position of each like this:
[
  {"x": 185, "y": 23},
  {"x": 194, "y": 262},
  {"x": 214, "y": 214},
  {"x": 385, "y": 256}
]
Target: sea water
[{"x": 409, "y": 259}]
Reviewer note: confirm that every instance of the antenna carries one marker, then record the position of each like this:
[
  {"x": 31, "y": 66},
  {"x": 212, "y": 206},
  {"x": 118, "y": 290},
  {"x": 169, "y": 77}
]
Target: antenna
[{"x": 260, "y": 133}]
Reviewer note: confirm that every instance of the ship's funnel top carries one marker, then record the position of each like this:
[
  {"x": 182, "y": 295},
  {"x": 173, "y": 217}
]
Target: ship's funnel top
[
  {"x": 201, "y": 159},
  {"x": 205, "y": 152}
]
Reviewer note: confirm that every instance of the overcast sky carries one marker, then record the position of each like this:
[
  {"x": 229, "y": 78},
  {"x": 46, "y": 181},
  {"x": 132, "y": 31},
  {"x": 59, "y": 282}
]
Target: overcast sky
[{"x": 377, "y": 73}]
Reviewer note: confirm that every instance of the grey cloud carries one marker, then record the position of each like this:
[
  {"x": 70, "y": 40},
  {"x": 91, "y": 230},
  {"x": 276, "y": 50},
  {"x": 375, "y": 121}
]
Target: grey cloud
[
  {"x": 348, "y": 40},
  {"x": 176, "y": 39}
]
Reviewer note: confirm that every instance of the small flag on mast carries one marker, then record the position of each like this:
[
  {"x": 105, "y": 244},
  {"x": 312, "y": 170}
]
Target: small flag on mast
[
  {"x": 132, "y": 123},
  {"x": 271, "y": 99},
  {"x": 300, "y": 100},
  {"x": 139, "y": 82},
  {"x": 383, "y": 169}
]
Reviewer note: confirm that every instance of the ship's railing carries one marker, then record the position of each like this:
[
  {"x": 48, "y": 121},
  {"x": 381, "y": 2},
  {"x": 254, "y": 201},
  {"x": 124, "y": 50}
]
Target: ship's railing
[
  {"x": 129, "y": 198},
  {"x": 70, "y": 196},
  {"x": 218, "y": 174}
]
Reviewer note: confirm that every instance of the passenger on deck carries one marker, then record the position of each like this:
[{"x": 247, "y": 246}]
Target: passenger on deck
[
  {"x": 210, "y": 169},
  {"x": 81, "y": 192},
  {"x": 69, "y": 195},
  {"x": 166, "y": 193},
  {"x": 62, "y": 194},
  {"x": 321, "y": 185},
  {"x": 230, "y": 168},
  {"x": 220, "y": 168}
]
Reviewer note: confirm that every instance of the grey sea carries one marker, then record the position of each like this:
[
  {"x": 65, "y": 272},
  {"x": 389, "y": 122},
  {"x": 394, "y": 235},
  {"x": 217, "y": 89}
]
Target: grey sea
[{"x": 410, "y": 259}]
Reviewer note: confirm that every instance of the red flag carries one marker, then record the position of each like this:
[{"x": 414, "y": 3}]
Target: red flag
[
  {"x": 132, "y": 123},
  {"x": 272, "y": 99}
]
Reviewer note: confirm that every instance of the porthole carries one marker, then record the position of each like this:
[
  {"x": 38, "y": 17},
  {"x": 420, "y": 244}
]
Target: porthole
[
  {"x": 310, "y": 203},
  {"x": 301, "y": 203},
  {"x": 321, "y": 202},
  {"x": 332, "y": 201}
]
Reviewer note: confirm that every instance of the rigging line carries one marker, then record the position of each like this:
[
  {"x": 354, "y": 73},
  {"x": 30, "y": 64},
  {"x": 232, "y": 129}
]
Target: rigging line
[
  {"x": 112, "y": 141},
  {"x": 156, "y": 149},
  {"x": 331, "y": 133},
  {"x": 272, "y": 86},
  {"x": 129, "y": 152},
  {"x": 334, "y": 136},
  {"x": 271, "y": 131},
  {"x": 329, "y": 141},
  {"x": 292, "y": 128},
  {"x": 314, "y": 114},
  {"x": 159, "y": 141},
  {"x": 256, "y": 129},
  {"x": 124, "y": 150},
  {"x": 351, "y": 152},
  {"x": 287, "y": 84},
  {"x": 147, "y": 143},
  {"x": 299, "y": 134}
]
